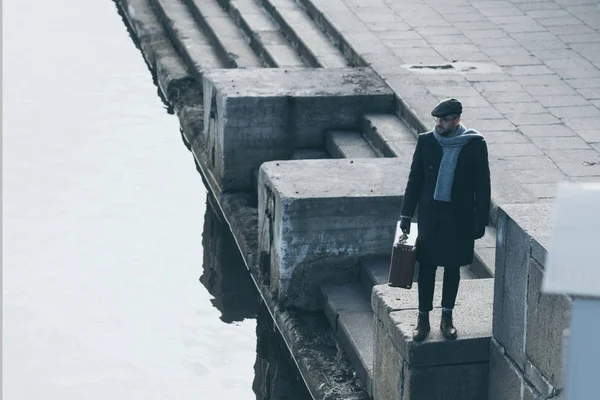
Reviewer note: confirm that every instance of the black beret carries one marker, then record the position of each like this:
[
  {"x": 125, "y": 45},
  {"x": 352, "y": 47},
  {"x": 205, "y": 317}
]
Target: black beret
[{"x": 447, "y": 107}]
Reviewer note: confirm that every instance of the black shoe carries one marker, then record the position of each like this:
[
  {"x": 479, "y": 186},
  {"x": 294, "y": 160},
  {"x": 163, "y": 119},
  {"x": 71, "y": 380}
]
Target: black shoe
[
  {"x": 448, "y": 329},
  {"x": 423, "y": 327}
]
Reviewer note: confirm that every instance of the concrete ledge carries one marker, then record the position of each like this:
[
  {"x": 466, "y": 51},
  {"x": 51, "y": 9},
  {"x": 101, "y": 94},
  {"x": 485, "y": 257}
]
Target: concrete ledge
[
  {"x": 317, "y": 218},
  {"x": 398, "y": 309},
  {"x": 254, "y": 116}
]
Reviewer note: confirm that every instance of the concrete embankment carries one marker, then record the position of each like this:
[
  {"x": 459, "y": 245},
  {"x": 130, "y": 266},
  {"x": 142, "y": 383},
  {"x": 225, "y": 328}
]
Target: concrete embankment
[{"x": 302, "y": 122}]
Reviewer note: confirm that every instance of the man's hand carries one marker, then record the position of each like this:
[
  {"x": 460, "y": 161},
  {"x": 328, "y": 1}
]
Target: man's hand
[
  {"x": 479, "y": 232},
  {"x": 405, "y": 225}
]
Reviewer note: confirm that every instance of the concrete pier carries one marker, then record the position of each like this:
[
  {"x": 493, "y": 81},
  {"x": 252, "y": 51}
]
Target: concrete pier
[{"x": 302, "y": 117}]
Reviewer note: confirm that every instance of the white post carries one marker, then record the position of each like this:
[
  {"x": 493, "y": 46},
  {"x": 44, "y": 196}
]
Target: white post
[{"x": 573, "y": 267}]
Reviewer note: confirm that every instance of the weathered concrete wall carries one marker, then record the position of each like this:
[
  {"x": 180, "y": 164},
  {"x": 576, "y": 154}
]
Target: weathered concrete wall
[
  {"x": 254, "y": 116},
  {"x": 526, "y": 352},
  {"x": 317, "y": 218},
  {"x": 435, "y": 368}
]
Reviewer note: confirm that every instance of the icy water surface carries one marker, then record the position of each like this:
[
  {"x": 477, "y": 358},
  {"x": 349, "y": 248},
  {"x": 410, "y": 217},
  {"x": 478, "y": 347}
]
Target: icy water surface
[{"x": 103, "y": 219}]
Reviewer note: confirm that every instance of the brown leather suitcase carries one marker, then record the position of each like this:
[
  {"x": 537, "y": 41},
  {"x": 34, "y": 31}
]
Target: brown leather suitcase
[{"x": 404, "y": 257}]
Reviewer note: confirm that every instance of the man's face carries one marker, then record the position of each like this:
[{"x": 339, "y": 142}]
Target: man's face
[{"x": 446, "y": 125}]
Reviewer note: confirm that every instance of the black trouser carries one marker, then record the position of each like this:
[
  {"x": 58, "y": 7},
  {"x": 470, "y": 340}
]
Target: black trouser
[{"x": 427, "y": 285}]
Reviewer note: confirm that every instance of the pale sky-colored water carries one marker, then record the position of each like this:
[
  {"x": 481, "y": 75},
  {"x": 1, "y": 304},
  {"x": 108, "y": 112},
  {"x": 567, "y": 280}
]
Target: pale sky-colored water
[{"x": 102, "y": 214}]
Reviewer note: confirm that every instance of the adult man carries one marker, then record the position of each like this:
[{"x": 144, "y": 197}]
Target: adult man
[{"x": 450, "y": 182}]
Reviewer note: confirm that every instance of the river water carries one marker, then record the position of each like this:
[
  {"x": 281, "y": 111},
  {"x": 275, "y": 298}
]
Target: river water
[{"x": 118, "y": 281}]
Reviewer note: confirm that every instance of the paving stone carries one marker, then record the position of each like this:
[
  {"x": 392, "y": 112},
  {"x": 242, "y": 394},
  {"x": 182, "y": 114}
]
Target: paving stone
[
  {"x": 575, "y": 112},
  {"x": 481, "y": 113},
  {"x": 560, "y": 21},
  {"x": 546, "y": 131},
  {"x": 477, "y": 26},
  {"x": 486, "y": 43},
  {"x": 494, "y": 125},
  {"x": 536, "y": 5},
  {"x": 528, "y": 70},
  {"x": 521, "y": 108},
  {"x": 593, "y": 83},
  {"x": 556, "y": 100},
  {"x": 493, "y": 137},
  {"x": 542, "y": 190},
  {"x": 399, "y": 34},
  {"x": 452, "y": 91},
  {"x": 538, "y": 80},
  {"x": 531, "y": 119},
  {"x": 516, "y": 163},
  {"x": 556, "y": 13},
  {"x": 525, "y": 149},
  {"x": 579, "y": 169},
  {"x": 487, "y": 87},
  {"x": 551, "y": 93},
  {"x": 589, "y": 135},
  {"x": 580, "y": 123},
  {"x": 580, "y": 38},
  {"x": 438, "y": 31},
  {"x": 555, "y": 54},
  {"x": 487, "y": 34},
  {"x": 548, "y": 175},
  {"x": 509, "y": 97},
  {"x": 479, "y": 77},
  {"x": 590, "y": 94},
  {"x": 586, "y": 156},
  {"x": 387, "y": 26},
  {"x": 562, "y": 143},
  {"x": 576, "y": 29}
]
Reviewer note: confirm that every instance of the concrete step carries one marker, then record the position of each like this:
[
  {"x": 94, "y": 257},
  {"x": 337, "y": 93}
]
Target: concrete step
[
  {"x": 191, "y": 43},
  {"x": 266, "y": 39},
  {"x": 310, "y": 42},
  {"x": 389, "y": 135},
  {"x": 309, "y": 154},
  {"x": 349, "y": 312},
  {"x": 232, "y": 45},
  {"x": 348, "y": 144}
]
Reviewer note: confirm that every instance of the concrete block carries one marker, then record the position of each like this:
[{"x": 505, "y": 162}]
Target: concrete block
[
  {"x": 506, "y": 382},
  {"x": 397, "y": 309},
  {"x": 317, "y": 218},
  {"x": 547, "y": 317},
  {"x": 254, "y": 116},
  {"x": 510, "y": 292}
]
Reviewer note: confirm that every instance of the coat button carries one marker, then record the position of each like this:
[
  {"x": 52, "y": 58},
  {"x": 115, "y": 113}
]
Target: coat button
[{"x": 431, "y": 167}]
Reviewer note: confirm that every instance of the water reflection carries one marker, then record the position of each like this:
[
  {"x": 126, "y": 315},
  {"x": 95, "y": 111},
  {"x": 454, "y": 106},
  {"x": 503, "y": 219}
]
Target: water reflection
[
  {"x": 235, "y": 296},
  {"x": 224, "y": 273}
]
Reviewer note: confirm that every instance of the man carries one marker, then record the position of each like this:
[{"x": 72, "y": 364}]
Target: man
[{"x": 449, "y": 180}]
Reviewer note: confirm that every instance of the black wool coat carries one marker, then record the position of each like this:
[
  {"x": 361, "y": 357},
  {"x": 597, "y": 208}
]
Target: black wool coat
[{"x": 446, "y": 229}]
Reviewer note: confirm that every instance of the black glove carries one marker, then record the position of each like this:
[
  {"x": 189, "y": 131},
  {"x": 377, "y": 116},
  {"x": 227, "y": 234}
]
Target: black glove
[
  {"x": 479, "y": 232},
  {"x": 405, "y": 225}
]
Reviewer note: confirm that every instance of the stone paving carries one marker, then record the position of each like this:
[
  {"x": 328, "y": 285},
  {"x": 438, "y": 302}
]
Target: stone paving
[{"x": 527, "y": 72}]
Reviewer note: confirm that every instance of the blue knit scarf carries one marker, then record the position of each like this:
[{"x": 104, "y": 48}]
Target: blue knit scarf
[{"x": 451, "y": 147}]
